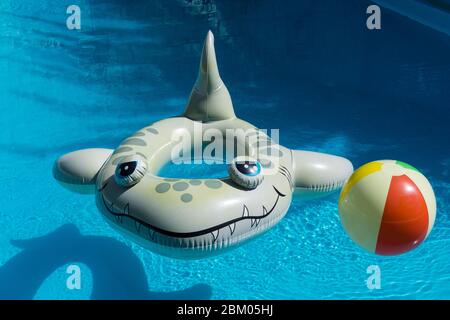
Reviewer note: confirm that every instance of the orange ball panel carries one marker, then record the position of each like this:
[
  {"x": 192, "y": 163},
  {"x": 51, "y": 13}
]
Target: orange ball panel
[{"x": 405, "y": 218}]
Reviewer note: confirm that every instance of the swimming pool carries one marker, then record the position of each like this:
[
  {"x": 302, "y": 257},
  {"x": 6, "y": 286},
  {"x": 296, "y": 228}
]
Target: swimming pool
[{"x": 313, "y": 71}]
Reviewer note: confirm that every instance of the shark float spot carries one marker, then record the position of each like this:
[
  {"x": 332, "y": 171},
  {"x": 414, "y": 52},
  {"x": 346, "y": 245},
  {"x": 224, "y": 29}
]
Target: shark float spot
[
  {"x": 152, "y": 130},
  {"x": 186, "y": 197},
  {"x": 180, "y": 186},
  {"x": 142, "y": 155},
  {"x": 261, "y": 143},
  {"x": 162, "y": 187},
  {"x": 271, "y": 152},
  {"x": 123, "y": 149},
  {"x": 195, "y": 182},
  {"x": 135, "y": 142},
  {"x": 213, "y": 184},
  {"x": 242, "y": 205},
  {"x": 266, "y": 163},
  {"x": 139, "y": 134}
]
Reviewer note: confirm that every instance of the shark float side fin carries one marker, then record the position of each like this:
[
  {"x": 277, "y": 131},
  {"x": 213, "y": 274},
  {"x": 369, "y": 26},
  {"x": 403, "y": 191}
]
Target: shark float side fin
[
  {"x": 77, "y": 171},
  {"x": 319, "y": 174},
  {"x": 209, "y": 99}
]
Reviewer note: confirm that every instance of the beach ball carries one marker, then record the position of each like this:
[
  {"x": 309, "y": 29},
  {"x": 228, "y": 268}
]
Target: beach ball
[{"x": 387, "y": 207}]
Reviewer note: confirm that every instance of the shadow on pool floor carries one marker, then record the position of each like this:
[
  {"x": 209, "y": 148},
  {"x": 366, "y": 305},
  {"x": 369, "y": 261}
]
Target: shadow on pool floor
[{"x": 116, "y": 271}]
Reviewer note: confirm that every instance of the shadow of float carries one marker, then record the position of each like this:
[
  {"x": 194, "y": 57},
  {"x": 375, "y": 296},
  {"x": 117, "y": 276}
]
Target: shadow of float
[{"x": 116, "y": 271}]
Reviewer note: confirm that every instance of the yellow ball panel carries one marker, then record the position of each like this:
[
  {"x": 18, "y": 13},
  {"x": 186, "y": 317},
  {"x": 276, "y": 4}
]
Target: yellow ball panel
[
  {"x": 361, "y": 208},
  {"x": 359, "y": 174}
]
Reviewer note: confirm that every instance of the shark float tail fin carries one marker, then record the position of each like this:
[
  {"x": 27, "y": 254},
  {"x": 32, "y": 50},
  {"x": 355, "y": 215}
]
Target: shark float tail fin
[{"x": 210, "y": 99}]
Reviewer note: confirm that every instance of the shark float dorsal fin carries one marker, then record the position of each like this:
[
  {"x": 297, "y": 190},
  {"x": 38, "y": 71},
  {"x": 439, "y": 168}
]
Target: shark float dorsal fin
[{"x": 210, "y": 99}]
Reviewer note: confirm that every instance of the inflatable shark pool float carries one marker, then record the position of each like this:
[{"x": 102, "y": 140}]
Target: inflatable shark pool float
[{"x": 191, "y": 218}]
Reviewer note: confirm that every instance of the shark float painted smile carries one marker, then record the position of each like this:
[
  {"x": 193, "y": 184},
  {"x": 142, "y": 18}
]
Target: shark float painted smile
[{"x": 192, "y": 218}]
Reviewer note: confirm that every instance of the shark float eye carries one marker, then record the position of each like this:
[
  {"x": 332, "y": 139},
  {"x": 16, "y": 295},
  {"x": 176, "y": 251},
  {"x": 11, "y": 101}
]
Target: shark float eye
[
  {"x": 130, "y": 170},
  {"x": 246, "y": 172}
]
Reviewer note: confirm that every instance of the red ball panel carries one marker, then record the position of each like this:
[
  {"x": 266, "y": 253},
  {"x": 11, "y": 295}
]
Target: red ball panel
[{"x": 405, "y": 218}]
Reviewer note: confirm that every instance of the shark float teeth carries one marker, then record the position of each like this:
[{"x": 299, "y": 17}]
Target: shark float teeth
[
  {"x": 215, "y": 235},
  {"x": 126, "y": 209},
  {"x": 264, "y": 214},
  {"x": 255, "y": 222},
  {"x": 137, "y": 226},
  {"x": 119, "y": 219},
  {"x": 245, "y": 212},
  {"x": 151, "y": 233},
  {"x": 232, "y": 228},
  {"x": 111, "y": 206}
]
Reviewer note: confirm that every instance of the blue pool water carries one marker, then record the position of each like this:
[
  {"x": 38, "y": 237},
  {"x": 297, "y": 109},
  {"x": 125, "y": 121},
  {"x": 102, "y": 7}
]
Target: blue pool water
[{"x": 314, "y": 71}]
